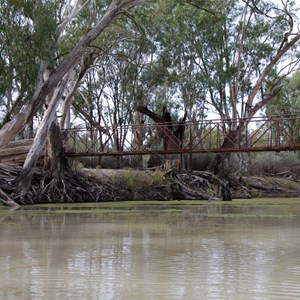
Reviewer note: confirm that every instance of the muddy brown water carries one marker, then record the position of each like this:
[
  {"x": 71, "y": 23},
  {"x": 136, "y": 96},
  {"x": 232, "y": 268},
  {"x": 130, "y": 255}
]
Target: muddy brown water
[{"x": 246, "y": 249}]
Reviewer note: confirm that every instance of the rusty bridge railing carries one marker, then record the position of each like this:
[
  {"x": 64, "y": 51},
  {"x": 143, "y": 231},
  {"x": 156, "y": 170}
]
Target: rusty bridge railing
[{"x": 274, "y": 133}]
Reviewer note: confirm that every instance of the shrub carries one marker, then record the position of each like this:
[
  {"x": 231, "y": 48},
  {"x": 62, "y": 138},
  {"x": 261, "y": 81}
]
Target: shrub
[
  {"x": 135, "y": 180},
  {"x": 201, "y": 161},
  {"x": 270, "y": 162}
]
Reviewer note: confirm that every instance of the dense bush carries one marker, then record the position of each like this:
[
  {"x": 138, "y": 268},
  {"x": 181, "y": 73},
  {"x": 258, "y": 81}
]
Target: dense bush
[
  {"x": 270, "y": 163},
  {"x": 201, "y": 161},
  {"x": 241, "y": 164}
]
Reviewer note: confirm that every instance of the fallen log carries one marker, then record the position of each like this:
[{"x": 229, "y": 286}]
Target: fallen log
[
  {"x": 201, "y": 186},
  {"x": 15, "y": 151},
  {"x": 198, "y": 192},
  {"x": 5, "y": 199}
]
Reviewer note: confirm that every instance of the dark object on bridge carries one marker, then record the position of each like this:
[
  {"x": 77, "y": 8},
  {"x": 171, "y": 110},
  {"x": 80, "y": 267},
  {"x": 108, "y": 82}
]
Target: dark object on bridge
[
  {"x": 179, "y": 132},
  {"x": 146, "y": 111},
  {"x": 173, "y": 132},
  {"x": 226, "y": 193},
  {"x": 166, "y": 115}
]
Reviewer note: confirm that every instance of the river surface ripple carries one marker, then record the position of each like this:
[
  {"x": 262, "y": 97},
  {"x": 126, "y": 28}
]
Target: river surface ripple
[{"x": 249, "y": 250}]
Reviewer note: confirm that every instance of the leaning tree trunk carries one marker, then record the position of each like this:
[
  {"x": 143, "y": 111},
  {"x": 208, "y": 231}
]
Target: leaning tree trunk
[
  {"x": 55, "y": 162},
  {"x": 39, "y": 142},
  {"x": 173, "y": 137},
  {"x": 11, "y": 128},
  {"x": 220, "y": 165}
]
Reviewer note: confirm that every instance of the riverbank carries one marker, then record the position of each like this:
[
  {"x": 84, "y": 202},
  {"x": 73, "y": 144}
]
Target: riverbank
[
  {"x": 157, "y": 185},
  {"x": 99, "y": 185}
]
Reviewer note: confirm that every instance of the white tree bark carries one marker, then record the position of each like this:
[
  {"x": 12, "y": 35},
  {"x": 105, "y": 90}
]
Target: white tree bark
[
  {"x": 10, "y": 129},
  {"x": 69, "y": 97},
  {"x": 254, "y": 109},
  {"x": 75, "y": 11},
  {"x": 39, "y": 140},
  {"x": 54, "y": 86}
]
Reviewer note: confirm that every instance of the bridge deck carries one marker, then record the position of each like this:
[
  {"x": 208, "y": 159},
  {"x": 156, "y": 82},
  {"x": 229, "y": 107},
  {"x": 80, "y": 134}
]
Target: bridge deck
[{"x": 274, "y": 133}]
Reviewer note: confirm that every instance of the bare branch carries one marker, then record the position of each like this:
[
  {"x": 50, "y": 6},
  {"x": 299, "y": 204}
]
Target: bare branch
[
  {"x": 71, "y": 16},
  {"x": 265, "y": 72},
  {"x": 10, "y": 129}
]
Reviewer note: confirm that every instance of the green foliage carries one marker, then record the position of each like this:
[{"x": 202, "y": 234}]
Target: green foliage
[
  {"x": 202, "y": 161},
  {"x": 275, "y": 163},
  {"x": 28, "y": 37},
  {"x": 157, "y": 177},
  {"x": 186, "y": 55},
  {"x": 286, "y": 103},
  {"x": 135, "y": 180},
  {"x": 288, "y": 100}
]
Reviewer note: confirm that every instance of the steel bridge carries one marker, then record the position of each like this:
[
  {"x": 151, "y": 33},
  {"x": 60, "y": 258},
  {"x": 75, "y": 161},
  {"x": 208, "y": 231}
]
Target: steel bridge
[{"x": 273, "y": 133}]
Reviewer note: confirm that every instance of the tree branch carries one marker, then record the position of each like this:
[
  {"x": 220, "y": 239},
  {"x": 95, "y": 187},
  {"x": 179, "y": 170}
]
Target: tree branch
[
  {"x": 288, "y": 45},
  {"x": 10, "y": 129}
]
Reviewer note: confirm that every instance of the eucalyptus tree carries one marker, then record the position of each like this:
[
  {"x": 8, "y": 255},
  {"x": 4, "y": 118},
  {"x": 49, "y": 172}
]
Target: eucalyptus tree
[
  {"x": 287, "y": 104},
  {"x": 229, "y": 56},
  {"x": 245, "y": 49},
  {"x": 27, "y": 38},
  {"x": 179, "y": 29},
  {"x": 122, "y": 76},
  {"x": 287, "y": 101},
  {"x": 50, "y": 90}
]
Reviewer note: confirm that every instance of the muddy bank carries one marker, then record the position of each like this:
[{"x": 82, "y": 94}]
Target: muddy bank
[
  {"x": 270, "y": 185},
  {"x": 97, "y": 185},
  {"x": 157, "y": 185}
]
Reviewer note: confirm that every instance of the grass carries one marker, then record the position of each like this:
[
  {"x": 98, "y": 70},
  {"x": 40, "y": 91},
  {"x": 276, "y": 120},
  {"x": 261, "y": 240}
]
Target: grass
[
  {"x": 271, "y": 202},
  {"x": 135, "y": 180},
  {"x": 290, "y": 185},
  {"x": 286, "y": 207}
]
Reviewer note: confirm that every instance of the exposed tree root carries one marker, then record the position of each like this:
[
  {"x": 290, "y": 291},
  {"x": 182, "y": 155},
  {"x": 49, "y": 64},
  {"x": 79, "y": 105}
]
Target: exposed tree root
[
  {"x": 81, "y": 186},
  {"x": 47, "y": 189},
  {"x": 202, "y": 185},
  {"x": 5, "y": 199}
]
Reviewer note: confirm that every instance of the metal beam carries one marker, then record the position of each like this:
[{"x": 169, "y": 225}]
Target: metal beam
[{"x": 205, "y": 136}]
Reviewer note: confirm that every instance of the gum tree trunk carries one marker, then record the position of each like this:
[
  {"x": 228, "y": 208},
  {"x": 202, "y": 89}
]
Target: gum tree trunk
[
  {"x": 55, "y": 81},
  {"x": 11, "y": 128},
  {"x": 172, "y": 138}
]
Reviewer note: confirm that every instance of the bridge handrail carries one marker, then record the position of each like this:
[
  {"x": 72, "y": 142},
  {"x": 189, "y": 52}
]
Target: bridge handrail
[{"x": 83, "y": 127}]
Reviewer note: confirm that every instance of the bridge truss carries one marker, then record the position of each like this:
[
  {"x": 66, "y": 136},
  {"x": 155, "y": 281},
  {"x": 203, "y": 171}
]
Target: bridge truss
[{"x": 274, "y": 133}]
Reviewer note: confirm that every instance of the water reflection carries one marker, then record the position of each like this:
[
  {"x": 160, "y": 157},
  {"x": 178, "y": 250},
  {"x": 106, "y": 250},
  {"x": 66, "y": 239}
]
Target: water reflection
[{"x": 198, "y": 252}]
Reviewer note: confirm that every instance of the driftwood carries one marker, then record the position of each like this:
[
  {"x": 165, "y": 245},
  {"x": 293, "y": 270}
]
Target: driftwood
[
  {"x": 266, "y": 186},
  {"x": 5, "y": 199},
  {"x": 86, "y": 186},
  {"x": 81, "y": 186},
  {"x": 74, "y": 186},
  {"x": 15, "y": 151},
  {"x": 45, "y": 189},
  {"x": 195, "y": 187},
  {"x": 285, "y": 174},
  {"x": 201, "y": 186}
]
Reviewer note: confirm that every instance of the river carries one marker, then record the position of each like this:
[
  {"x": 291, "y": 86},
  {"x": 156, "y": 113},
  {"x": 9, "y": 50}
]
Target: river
[{"x": 244, "y": 249}]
